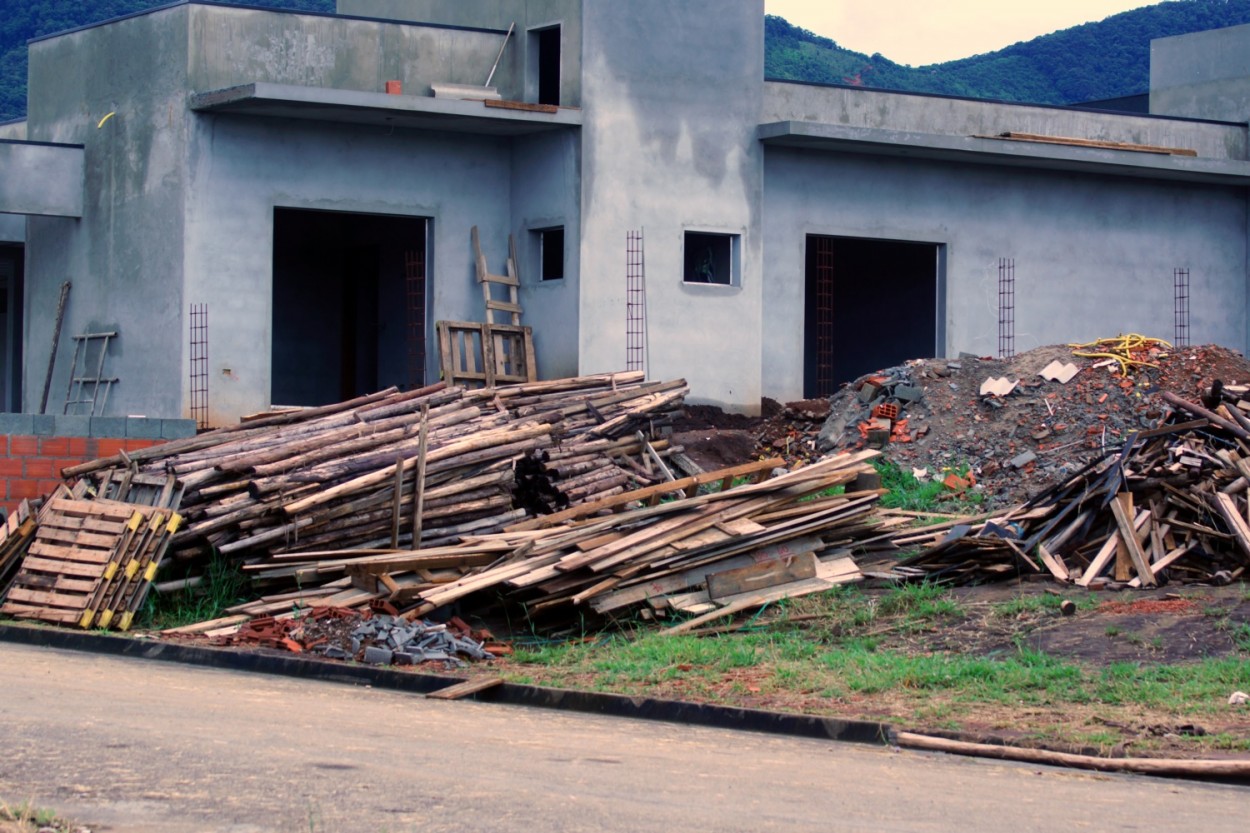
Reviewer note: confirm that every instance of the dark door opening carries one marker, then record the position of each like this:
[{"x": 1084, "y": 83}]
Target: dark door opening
[
  {"x": 12, "y": 285},
  {"x": 548, "y": 42},
  {"x": 870, "y": 304},
  {"x": 348, "y": 305}
]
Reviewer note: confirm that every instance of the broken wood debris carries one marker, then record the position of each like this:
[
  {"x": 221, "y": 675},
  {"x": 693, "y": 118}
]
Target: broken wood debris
[{"x": 1169, "y": 505}]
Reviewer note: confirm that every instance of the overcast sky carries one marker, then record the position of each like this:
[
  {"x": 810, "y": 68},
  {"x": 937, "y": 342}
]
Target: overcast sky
[{"x": 919, "y": 32}]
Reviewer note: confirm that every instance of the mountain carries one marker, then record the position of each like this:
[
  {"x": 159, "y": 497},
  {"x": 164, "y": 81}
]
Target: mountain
[
  {"x": 1107, "y": 59},
  {"x": 1095, "y": 61}
]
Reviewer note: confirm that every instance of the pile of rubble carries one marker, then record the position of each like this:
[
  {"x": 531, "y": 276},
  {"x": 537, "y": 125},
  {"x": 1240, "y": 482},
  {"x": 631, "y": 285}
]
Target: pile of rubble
[{"x": 931, "y": 416}]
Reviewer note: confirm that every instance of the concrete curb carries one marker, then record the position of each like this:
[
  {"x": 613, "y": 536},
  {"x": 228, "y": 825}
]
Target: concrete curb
[{"x": 614, "y": 705}]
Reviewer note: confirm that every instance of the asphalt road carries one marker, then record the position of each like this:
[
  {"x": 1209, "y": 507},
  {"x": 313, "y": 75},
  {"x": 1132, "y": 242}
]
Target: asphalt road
[{"x": 149, "y": 747}]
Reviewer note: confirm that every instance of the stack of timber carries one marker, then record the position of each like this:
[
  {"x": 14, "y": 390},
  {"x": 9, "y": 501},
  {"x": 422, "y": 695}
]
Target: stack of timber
[
  {"x": 1170, "y": 505},
  {"x": 429, "y": 466},
  {"x": 708, "y": 554}
]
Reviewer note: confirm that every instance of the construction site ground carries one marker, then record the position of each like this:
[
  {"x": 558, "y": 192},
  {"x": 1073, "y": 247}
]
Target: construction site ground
[{"x": 1130, "y": 634}]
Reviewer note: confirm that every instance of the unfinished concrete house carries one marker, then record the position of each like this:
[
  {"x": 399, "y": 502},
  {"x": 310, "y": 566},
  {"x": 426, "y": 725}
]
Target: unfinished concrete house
[{"x": 295, "y": 176}]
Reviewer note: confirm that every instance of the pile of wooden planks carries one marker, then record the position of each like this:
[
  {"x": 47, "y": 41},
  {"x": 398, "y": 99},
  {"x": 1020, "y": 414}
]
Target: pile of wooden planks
[
  {"x": 428, "y": 466},
  {"x": 710, "y": 554},
  {"x": 1170, "y": 505},
  {"x": 90, "y": 563}
]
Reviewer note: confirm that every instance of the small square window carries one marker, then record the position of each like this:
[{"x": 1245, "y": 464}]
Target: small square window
[
  {"x": 710, "y": 258},
  {"x": 550, "y": 253}
]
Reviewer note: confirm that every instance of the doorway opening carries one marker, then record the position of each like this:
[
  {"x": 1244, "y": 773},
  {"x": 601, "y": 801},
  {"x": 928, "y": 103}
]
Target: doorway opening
[
  {"x": 545, "y": 63},
  {"x": 349, "y": 314},
  {"x": 12, "y": 286},
  {"x": 870, "y": 304}
]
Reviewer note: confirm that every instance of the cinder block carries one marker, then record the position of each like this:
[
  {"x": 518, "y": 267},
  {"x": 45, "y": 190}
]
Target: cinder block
[
  {"x": 177, "y": 429},
  {"x": 17, "y": 423},
  {"x": 72, "y": 425},
  {"x": 142, "y": 428},
  {"x": 43, "y": 425},
  {"x": 113, "y": 427}
]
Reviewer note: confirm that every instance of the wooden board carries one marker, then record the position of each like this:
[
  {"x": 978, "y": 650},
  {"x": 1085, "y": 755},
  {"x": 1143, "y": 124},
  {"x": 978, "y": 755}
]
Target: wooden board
[{"x": 760, "y": 576}]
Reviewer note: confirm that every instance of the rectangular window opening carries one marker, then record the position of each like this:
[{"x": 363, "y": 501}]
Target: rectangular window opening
[
  {"x": 550, "y": 253},
  {"x": 711, "y": 258}
]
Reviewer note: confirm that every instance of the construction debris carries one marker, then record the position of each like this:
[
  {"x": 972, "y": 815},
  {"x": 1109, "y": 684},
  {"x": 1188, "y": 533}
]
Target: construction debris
[{"x": 1168, "y": 505}]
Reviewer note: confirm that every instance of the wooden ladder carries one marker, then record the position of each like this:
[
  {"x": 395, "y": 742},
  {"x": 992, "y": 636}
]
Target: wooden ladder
[
  {"x": 512, "y": 281},
  {"x": 85, "y": 390}
]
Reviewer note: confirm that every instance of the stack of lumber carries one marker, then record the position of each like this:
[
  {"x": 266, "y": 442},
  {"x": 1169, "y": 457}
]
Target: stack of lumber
[
  {"x": 1170, "y": 505},
  {"x": 90, "y": 563},
  {"x": 710, "y": 554},
  {"x": 16, "y": 533},
  {"x": 384, "y": 471}
]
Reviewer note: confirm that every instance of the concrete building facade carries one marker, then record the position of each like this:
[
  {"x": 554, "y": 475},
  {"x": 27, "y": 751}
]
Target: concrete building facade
[{"x": 795, "y": 236}]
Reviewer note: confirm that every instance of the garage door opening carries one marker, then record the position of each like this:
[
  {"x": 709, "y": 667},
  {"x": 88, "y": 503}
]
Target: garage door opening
[
  {"x": 12, "y": 284},
  {"x": 870, "y": 304},
  {"x": 349, "y": 311}
]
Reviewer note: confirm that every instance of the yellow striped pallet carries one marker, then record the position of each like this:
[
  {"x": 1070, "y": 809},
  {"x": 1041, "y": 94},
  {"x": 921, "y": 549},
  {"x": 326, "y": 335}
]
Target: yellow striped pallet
[{"x": 90, "y": 563}]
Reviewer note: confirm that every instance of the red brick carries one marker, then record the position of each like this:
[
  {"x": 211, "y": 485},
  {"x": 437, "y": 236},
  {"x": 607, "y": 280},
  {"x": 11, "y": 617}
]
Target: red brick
[
  {"x": 21, "y": 445},
  {"x": 66, "y": 462},
  {"x": 93, "y": 449},
  {"x": 54, "y": 446},
  {"x": 41, "y": 467},
  {"x": 135, "y": 445},
  {"x": 47, "y": 487},
  {"x": 11, "y": 468},
  {"x": 4, "y": 445},
  {"x": 78, "y": 448},
  {"x": 19, "y": 489},
  {"x": 108, "y": 448}
]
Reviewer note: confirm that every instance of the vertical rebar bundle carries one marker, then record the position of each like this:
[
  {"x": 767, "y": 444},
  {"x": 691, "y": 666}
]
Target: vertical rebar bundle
[
  {"x": 414, "y": 281},
  {"x": 825, "y": 383},
  {"x": 1180, "y": 307},
  {"x": 1006, "y": 308},
  {"x": 199, "y": 365},
  {"x": 635, "y": 302}
]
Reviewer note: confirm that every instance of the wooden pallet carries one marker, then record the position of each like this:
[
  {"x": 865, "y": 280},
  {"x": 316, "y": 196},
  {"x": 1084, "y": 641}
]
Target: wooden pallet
[
  {"x": 474, "y": 354},
  {"x": 16, "y": 533},
  {"x": 91, "y": 563}
]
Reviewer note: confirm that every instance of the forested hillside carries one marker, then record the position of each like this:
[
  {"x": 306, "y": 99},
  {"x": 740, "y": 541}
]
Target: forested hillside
[{"x": 1107, "y": 59}]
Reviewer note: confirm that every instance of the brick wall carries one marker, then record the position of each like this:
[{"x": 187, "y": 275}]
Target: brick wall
[{"x": 34, "y": 448}]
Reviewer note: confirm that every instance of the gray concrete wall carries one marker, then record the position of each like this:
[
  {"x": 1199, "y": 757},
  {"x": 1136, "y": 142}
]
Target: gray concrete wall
[
  {"x": 241, "y": 168},
  {"x": 1094, "y": 256},
  {"x": 125, "y": 255},
  {"x": 41, "y": 179},
  {"x": 965, "y": 117},
  {"x": 672, "y": 94},
  {"x": 231, "y": 46},
  {"x": 1202, "y": 75},
  {"x": 12, "y": 228},
  {"x": 546, "y": 183},
  {"x": 512, "y": 79}
]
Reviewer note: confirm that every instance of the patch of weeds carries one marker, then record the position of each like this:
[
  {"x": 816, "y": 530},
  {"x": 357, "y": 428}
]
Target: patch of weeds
[
  {"x": 1240, "y": 634},
  {"x": 26, "y": 816},
  {"x": 223, "y": 586},
  {"x": 1113, "y": 631},
  {"x": 919, "y": 602},
  {"x": 1222, "y": 740},
  {"x": 905, "y": 491},
  {"x": 1037, "y": 604}
]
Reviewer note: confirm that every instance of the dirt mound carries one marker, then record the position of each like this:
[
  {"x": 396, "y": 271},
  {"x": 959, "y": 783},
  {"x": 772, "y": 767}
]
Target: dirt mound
[{"x": 937, "y": 421}]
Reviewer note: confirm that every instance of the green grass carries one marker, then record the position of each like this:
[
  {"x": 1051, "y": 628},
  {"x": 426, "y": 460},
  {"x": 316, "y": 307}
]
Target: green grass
[
  {"x": 906, "y": 492},
  {"x": 27, "y": 817},
  {"x": 223, "y": 586},
  {"x": 1040, "y": 604},
  {"x": 787, "y": 661}
]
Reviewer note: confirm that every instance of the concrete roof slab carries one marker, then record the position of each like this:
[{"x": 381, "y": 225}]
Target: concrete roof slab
[
  {"x": 41, "y": 178},
  {"x": 1003, "y": 152},
  {"x": 383, "y": 110}
]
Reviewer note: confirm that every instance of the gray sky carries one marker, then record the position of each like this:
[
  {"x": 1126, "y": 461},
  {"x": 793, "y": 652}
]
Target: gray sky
[{"x": 919, "y": 32}]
